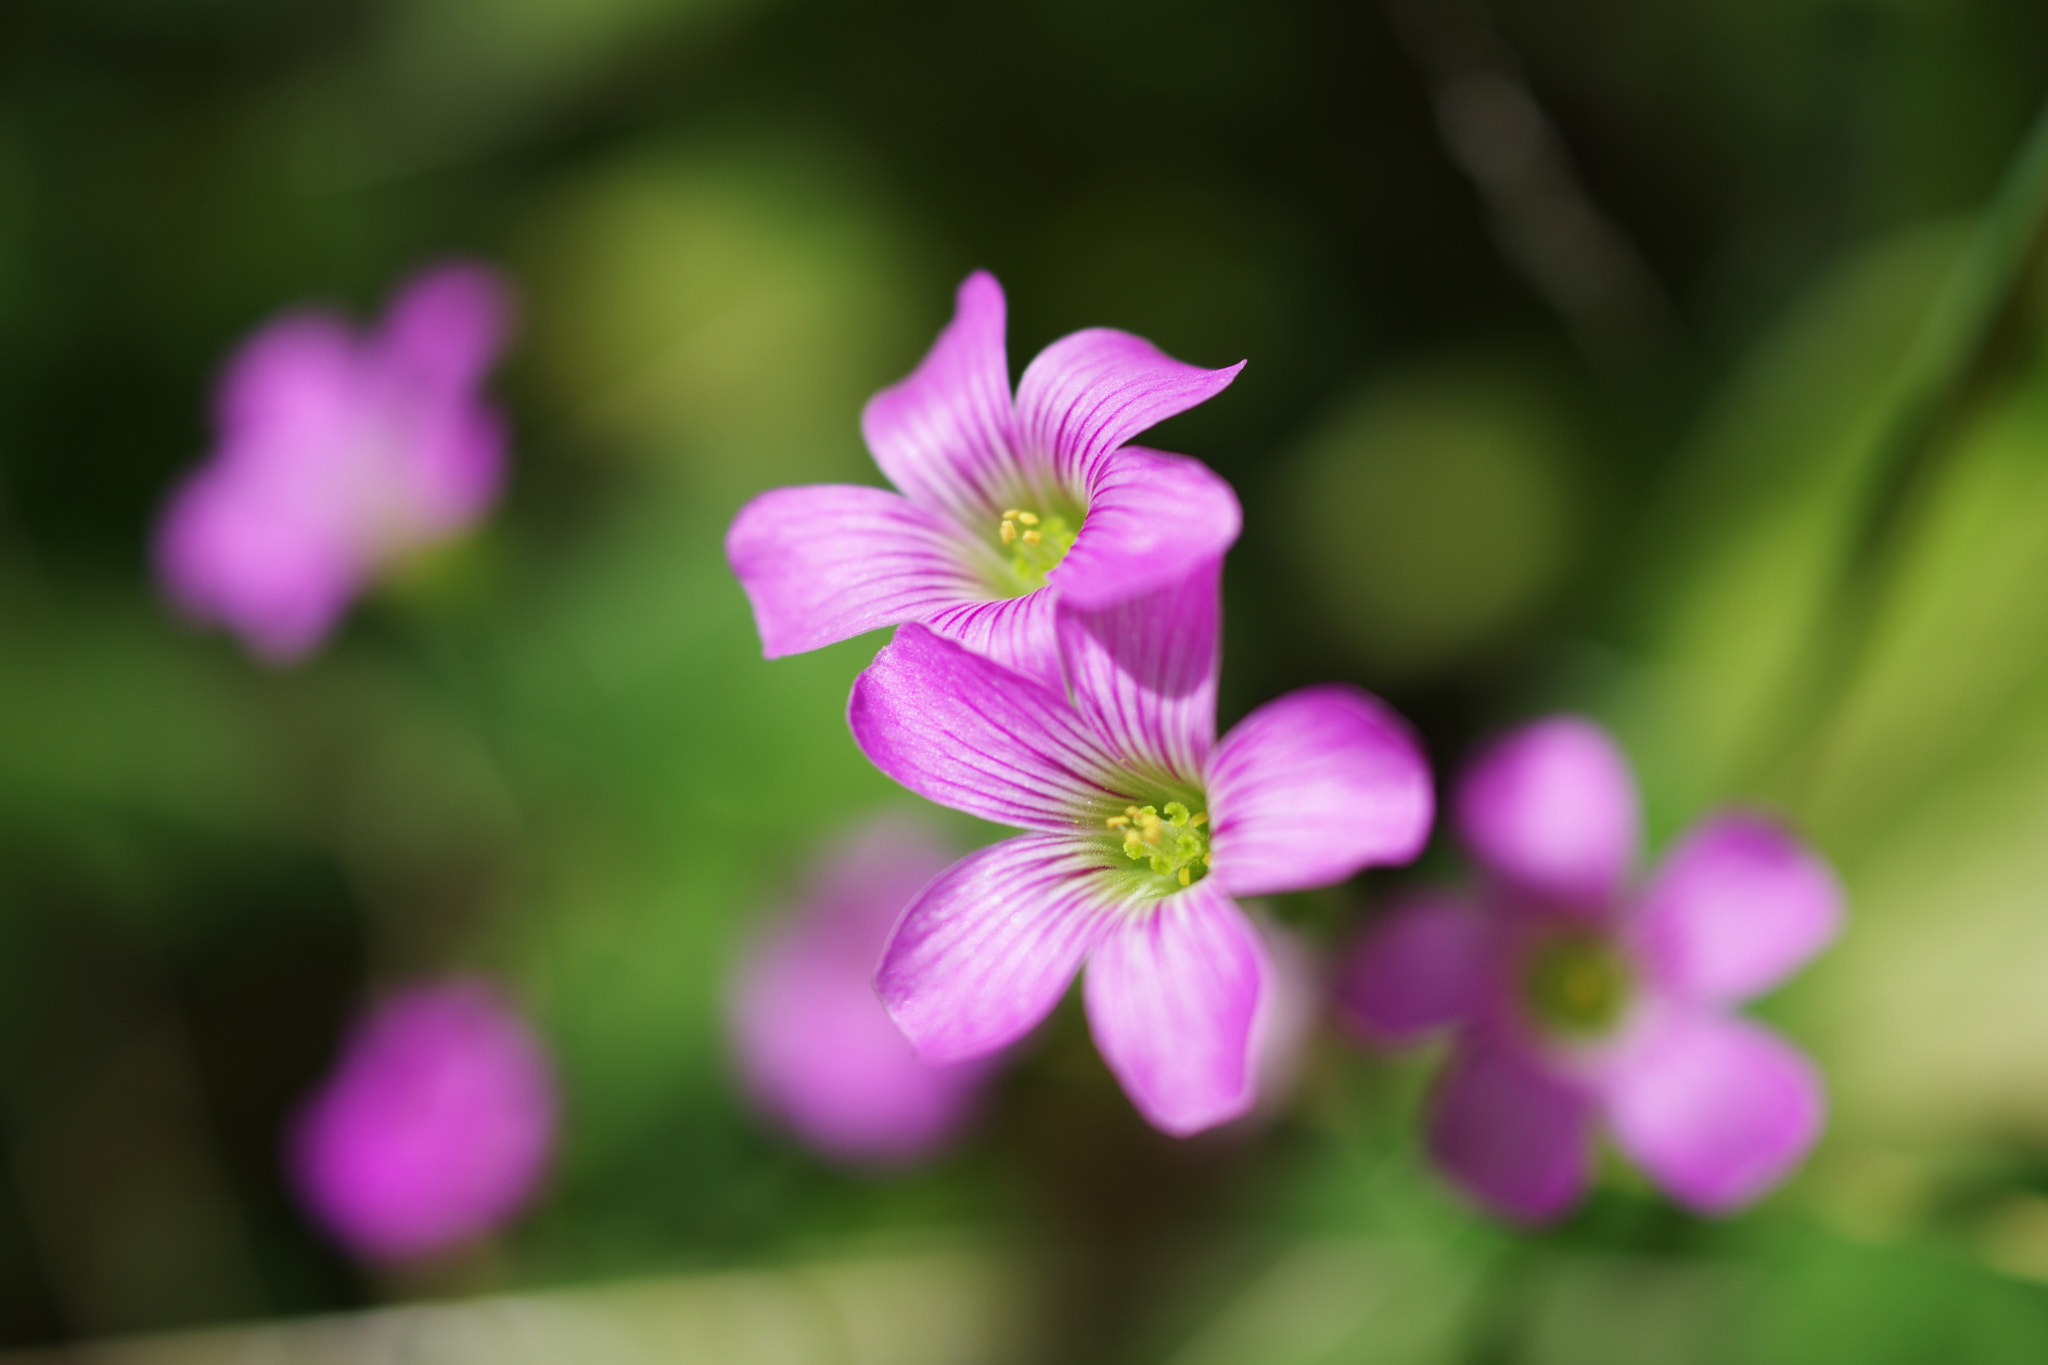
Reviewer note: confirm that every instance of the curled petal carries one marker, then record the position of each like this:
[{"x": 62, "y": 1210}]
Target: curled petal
[
  {"x": 1153, "y": 518},
  {"x": 1172, "y": 994},
  {"x": 1737, "y": 906},
  {"x": 1310, "y": 788},
  {"x": 830, "y": 561},
  {"x": 968, "y": 733},
  {"x": 1088, "y": 393},
  {"x": 1144, "y": 672},
  {"x": 945, "y": 435},
  {"x": 1552, "y": 808},
  {"x": 989, "y": 947},
  {"x": 1421, "y": 968},
  {"x": 1716, "y": 1109},
  {"x": 1513, "y": 1136},
  {"x": 1017, "y": 632}
]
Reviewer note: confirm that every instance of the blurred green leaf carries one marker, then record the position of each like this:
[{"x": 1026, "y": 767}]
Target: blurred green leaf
[
  {"x": 723, "y": 312},
  {"x": 1434, "y": 515}
]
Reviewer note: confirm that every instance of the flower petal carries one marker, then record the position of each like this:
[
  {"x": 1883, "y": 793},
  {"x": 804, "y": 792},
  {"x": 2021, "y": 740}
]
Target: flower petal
[
  {"x": 815, "y": 1047},
  {"x": 289, "y": 394},
  {"x": 1292, "y": 1003},
  {"x": 1152, "y": 518},
  {"x": 262, "y": 538},
  {"x": 830, "y": 561},
  {"x": 1552, "y": 808},
  {"x": 1737, "y": 906},
  {"x": 228, "y": 552},
  {"x": 435, "y": 1126},
  {"x": 946, "y": 435},
  {"x": 819, "y": 1055},
  {"x": 988, "y": 949},
  {"x": 1514, "y": 1137},
  {"x": 1144, "y": 672},
  {"x": 448, "y": 323},
  {"x": 444, "y": 458},
  {"x": 862, "y": 882},
  {"x": 1310, "y": 788},
  {"x": 1172, "y": 994},
  {"x": 1088, "y": 393},
  {"x": 1017, "y": 632},
  {"x": 1420, "y": 968},
  {"x": 968, "y": 733},
  {"x": 1716, "y": 1109}
]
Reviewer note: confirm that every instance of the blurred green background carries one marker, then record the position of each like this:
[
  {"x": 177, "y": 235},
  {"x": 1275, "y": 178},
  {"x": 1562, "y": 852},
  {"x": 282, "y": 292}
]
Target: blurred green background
[{"x": 1681, "y": 363}]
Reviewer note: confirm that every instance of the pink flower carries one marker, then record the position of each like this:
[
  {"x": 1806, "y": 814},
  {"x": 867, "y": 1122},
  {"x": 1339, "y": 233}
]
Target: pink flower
[
  {"x": 815, "y": 1047},
  {"x": 434, "y": 1127},
  {"x": 1576, "y": 1000},
  {"x": 1143, "y": 830},
  {"x": 337, "y": 456},
  {"x": 1002, "y": 503}
]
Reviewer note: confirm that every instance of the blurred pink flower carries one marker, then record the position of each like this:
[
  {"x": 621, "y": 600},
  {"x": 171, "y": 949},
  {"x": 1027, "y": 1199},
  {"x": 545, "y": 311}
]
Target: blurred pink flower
[
  {"x": 1575, "y": 1000},
  {"x": 434, "y": 1127},
  {"x": 337, "y": 455},
  {"x": 816, "y": 1050}
]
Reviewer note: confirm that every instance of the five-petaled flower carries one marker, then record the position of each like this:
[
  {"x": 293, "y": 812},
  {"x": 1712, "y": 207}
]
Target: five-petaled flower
[
  {"x": 815, "y": 1048},
  {"x": 1575, "y": 998},
  {"x": 1142, "y": 829},
  {"x": 434, "y": 1127},
  {"x": 1003, "y": 504},
  {"x": 338, "y": 455}
]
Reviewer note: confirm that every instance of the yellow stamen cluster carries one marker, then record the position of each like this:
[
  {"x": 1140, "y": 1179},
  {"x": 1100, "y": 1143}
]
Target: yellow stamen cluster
[
  {"x": 1030, "y": 535},
  {"x": 1035, "y": 544},
  {"x": 1168, "y": 838}
]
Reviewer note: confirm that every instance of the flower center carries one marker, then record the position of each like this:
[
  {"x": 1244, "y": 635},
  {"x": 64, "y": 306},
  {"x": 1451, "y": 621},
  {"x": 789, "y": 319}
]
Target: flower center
[
  {"x": 1031, "y": 545},
  {"x": 1577, "y": 984},
  {"x": 1168, "y": 839}
]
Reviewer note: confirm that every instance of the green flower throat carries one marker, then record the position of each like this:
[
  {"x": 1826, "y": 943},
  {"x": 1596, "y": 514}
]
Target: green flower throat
[
  {"x": 1169, "y": 839},
  {"x": 1577, "y": 985},
  {"x": 1030, "y": 545}
]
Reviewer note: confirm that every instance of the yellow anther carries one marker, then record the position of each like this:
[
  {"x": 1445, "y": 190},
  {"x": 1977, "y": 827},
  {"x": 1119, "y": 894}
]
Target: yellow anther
[
  {"x": 1168, "y": 839},
  {"x": 1009, "y": 532},
  {"x": 1011, "y": 514},
  {"x": 1032, "y": 537},
  {"x": 1028, "y": 518}
]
